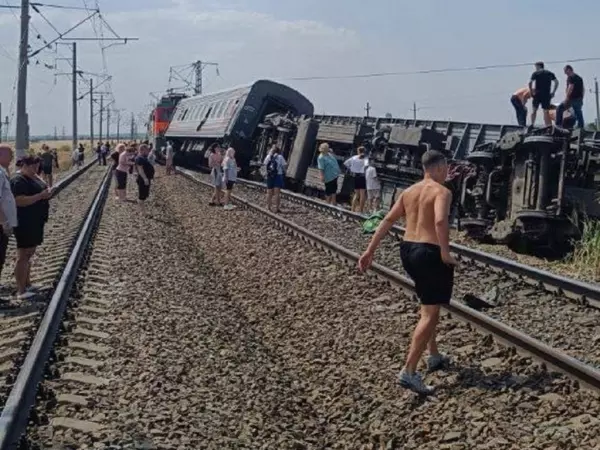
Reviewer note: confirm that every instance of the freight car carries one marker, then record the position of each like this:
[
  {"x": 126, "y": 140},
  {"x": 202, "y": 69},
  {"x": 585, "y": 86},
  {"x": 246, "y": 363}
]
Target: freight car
[{"x": 232, "y": 118}]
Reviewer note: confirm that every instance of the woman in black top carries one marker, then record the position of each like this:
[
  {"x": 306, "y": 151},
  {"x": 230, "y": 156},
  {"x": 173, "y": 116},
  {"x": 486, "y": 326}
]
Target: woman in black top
[{"x": 31, "y": 196}]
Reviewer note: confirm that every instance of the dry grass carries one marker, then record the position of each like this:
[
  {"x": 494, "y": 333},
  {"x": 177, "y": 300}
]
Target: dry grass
[
  {"x": 63, "y": 149},
  {"x": 585, "y": 258}
]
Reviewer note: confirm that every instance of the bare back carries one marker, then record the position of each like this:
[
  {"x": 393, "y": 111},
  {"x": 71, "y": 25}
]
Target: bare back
[{"x": 420, "y": 202}]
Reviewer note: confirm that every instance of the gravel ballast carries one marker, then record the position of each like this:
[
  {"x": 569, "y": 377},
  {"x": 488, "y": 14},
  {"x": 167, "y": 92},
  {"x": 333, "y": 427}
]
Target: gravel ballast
[{"x": 224, "y": 332}]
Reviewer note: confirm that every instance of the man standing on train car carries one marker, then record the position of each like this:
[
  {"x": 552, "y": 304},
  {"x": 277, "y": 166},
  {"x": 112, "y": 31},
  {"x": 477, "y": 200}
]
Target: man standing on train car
[
  {"x": 542, "y": 93},
  {"x": 519, "y": 99},
  {"x": 574, "y": 98}
]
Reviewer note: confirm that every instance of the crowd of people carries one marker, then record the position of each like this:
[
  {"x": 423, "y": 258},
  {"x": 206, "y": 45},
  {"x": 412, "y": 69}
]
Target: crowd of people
[
  {"x": 131, "y": 159},
  {"x": 541, "y": 89}
]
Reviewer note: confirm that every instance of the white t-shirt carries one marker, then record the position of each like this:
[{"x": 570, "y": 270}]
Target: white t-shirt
[
  {"x": 373, "y": 182},
  {"x": 356, "y": 164},
  {"x": 7, "y": 199}
]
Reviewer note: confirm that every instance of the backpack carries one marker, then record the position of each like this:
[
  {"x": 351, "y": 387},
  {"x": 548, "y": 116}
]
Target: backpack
[{"x": 272, "y": 167}]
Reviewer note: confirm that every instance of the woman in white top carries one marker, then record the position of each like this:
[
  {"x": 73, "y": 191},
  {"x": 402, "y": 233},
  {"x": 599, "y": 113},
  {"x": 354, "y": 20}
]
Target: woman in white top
[
  {"x": 373, "y": 187},
  {"x": 356, "y": 166}
]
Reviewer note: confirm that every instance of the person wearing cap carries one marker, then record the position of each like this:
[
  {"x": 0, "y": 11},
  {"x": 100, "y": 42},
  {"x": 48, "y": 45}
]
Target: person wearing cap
[
  {"x": 32, "y": 199},
  {"x": 8, "y": 207}
]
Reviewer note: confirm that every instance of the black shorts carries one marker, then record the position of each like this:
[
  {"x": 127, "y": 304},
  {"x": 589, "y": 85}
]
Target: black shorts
[
  {"x": 331, "y": 187},
  {"x": 29, "y": 236},
  {"x": 433, "y": 278},
  {"x": 47, "y": 170},
  {"x": 229, "y": 185},
  {"x": 542, "y": 100},
  {"x": 360, "y": 182},
  {"x": 121, "y": 178},
  {"x": 143, "y": 189}
]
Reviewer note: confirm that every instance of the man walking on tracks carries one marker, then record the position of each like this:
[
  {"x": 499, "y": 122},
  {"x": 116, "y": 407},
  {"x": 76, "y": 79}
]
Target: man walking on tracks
[
  {"x": 519, "y": 99},
  {"x": 425, "y": 254},
  {"x": 574, "y": 98},
  {"x": 542, "y": 92}
]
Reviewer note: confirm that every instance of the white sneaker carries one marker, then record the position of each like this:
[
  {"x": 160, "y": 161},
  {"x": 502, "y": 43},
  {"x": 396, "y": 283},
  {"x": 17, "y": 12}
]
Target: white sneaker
[
  {"x": 414, "y": 382},
  {"x": 229, "y": 207},
  {"x": 26, "y": 296}
]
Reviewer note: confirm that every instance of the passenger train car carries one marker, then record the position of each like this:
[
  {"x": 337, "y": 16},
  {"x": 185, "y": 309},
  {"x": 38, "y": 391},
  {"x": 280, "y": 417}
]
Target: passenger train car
[{"x": 232, "y": 118}]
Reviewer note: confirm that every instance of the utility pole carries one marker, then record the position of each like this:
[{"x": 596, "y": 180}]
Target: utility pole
[
  {"x": 118, "y": 126},
  {"x": 101, "y": 114},
  {"x": 92, "y": 113},
  {"x": 415, "y": 111},
  {"x": 368, "y": 108},
  {"x": 74, "y": 87},
  {"x": 55, "y": 134},
  {"x": 597, "y": 104},
  {"x": 22, "y": 137},
  {"x": 6, "y": 127},
  {"x": 63, "y": 133},
  {"x": 108, "y": 124},
  {"x": 132, "y": 126}
]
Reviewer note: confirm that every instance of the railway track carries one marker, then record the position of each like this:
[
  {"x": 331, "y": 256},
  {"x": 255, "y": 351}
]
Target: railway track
[
  {"x": 501, "y": 329},
  {"x": 29, "y": 330},
  {"x": 533, "y": 307}
]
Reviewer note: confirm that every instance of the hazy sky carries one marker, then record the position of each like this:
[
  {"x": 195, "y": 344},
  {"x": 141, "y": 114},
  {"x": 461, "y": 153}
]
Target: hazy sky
[{"x": 279, "y": 39}]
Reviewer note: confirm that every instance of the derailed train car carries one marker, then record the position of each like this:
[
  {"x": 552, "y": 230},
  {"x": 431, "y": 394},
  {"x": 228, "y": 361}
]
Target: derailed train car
[{"x": 232, "y": 118}]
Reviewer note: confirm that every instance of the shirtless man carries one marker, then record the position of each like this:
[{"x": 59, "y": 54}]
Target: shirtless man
[
  {"x": 519, "y": 99},
  {"x": 425, "y": 253}
]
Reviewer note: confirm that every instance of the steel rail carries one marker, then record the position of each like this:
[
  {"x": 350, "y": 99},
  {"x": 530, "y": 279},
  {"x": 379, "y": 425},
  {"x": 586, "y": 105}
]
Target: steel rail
[
  {"x": 586, "y": 375},
  {"x": 66, "y": 181},
  {"x": 585, "y": 293},
  {"x": 15, "y": 413}
]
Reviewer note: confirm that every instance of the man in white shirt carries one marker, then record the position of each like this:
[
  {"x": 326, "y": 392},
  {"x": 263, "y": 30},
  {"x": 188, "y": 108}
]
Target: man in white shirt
[
  {"x": 169, "y": 157},
  {"x": 8, "y": 207}
]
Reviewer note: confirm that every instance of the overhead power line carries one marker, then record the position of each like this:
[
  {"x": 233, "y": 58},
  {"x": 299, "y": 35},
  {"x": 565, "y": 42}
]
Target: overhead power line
[{"x": 434, "y": 71}]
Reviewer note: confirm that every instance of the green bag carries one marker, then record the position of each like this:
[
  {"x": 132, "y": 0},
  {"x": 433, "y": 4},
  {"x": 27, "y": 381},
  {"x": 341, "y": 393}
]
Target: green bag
[{"x": 371, "y": 224}]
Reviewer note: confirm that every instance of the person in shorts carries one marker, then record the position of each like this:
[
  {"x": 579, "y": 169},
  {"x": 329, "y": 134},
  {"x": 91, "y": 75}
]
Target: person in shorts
[
  {"x": 145, "y": 173},
  {"x": 542, "y": 85},
  {"x": 275, "y": 164},
  {"x": 230, "y": 170},
  {"x": 373, "y": 188},
  {"x": 215, "y": 159},
  {"x": 47, "y": 164},
  {"x": 32, "y": 199},
  {"x": 519, "y": 101},
  {"x": 329, "y": 170},
  {"x": 356, "y": 167},
  {"x": 121, "y": 172},
  {"x": 425, "y": 254}
]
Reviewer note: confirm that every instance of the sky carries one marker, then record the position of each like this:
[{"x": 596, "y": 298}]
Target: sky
[{"x": 283, "y": 39}]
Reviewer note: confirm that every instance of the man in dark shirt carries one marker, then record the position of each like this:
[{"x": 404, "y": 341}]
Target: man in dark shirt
[
  {"x": 573, "y": 99},
  {"x": 542, "y": 93},
  {"x": 145, "y": 173},
  {"x": 47, "y": 164}
]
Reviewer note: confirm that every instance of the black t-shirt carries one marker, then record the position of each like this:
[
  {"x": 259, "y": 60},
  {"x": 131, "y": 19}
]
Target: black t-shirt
[
  {"x": 35, "y": 214},
  {"x": 115, "y": 157},
  {"x": 47, "y": 159},
  {"x": 543, "y": 82},
  {"x": 577, "y": 83},
  {"x": 143, "y": 162}
]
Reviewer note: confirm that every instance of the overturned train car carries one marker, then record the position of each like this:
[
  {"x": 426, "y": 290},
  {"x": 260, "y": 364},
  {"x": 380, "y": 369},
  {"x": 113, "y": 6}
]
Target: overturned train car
[
  {"x": 232, "y": 118},
  {"x": 533, "y": 188}
]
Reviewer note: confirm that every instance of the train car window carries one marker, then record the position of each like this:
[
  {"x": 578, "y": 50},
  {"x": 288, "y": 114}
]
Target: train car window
[
  {"x": 213, "y": 110},
  {"x": 197, "y": 109},
  {"x": 221, "y": 109}
]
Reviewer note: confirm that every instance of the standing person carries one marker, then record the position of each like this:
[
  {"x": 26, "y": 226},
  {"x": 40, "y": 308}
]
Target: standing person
[
  {"x": 75, "y": 158},
  {"x": 542, "y": 93},
  {"x": 47, "y": 164},
  {"x": 31, "y": 197},
  {"x": 373, "y": 187},
  {"x": 121, "y": 171},
  {"x": 519, "y": 100},
  {"x": 356, "y": 166},
  {"x": 151, "y": 155},
  {"x": 215, "y": 159},
  {"x": 330, "y": 171},
  {"x": 230, "y": 170},
  {"x": 99, "y": 152},
  {"x": 8, "y": 206},
  {"x": 169, "y": 157},
  {"x": 81, "y": 155},
  {"x": 104, "y": 151},
  {"x": 145, "y": 173},
  {"x": 425, "y": 254},
  {"x": 573, "y": 98},
  {"x": 275, "y": 164},
  {"x": 114, "y": 160}
]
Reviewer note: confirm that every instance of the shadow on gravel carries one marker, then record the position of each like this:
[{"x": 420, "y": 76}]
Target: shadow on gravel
[{"x": 474, "y": 377}]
